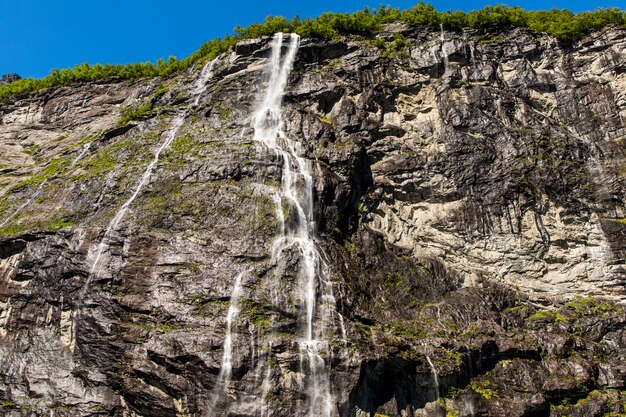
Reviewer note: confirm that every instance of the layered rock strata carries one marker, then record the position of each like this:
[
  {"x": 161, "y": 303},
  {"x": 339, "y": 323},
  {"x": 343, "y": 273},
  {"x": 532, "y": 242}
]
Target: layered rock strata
[{"x": 469, "y": 207}]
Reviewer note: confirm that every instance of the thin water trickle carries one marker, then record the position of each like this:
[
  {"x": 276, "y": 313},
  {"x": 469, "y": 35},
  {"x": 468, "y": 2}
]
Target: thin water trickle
[
  {"x": 471, "y": 48},
  {"x": 297, "y": 226},
  {"x": 344, "y": 334},
  {"x": 39, "y": 189},
  {"x": 446, "y": 61},
  {"x": 472, "y": 54},
  {"x": 82, "y": 153},
  {"x": 468, "y": 408},
  {"x": 198, "y": 87},
  {"x": 26, "y": 203},
  {"x": 233, "y": 313},
  {"x": 226, "y": 368},
  {"x": 435, "y": 376},
  {"x": 266, "y": 384}
]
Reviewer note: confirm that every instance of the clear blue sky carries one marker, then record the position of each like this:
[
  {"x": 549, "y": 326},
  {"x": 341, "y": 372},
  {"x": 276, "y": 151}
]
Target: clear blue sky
[{"x": 37, "y": 35}]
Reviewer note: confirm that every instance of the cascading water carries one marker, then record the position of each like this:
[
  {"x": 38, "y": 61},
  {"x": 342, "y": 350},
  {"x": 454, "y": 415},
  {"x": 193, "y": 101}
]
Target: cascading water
[
  {"x": 82, "y": 153},
  {"x": 227, "y": 366},
  {"x": 446, "y": 61},
  {"x": 198, "y": 87},
  {"x": 470, "y": 43},
  {"x": 435, "y": 376},
  {"x": 297, "y": 228}
]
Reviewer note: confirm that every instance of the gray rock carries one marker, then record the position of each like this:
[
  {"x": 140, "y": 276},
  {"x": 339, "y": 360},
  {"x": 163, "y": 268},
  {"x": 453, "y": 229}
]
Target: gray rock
[
  {"x": 9, "y": 78},
  {"x": 469, "y": 198}
]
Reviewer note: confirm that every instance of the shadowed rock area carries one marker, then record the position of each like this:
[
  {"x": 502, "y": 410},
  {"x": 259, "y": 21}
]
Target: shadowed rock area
[{"x": 469, "y": 194}]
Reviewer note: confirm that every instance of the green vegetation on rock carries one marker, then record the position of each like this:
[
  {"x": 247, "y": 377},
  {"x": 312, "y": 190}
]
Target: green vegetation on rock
[
  {"x": 54, "y": 223},
  {"x": 86, "y": 72},
  {"x": 485, "y": 388},
  {"x": 51, "y": 170},
  {"x": 133, "y": 113},
  {"x": 104, "y": 160},
  {"x": 561, "y": 24},
  {"x": 256, "y": 313},
  {"x": 578, "y": 309}
]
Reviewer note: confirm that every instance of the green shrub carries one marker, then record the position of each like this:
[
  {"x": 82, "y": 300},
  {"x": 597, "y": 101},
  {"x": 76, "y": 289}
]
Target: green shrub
[
  {"x": 561, "y": 24},
  {"x": 133, "y": 113},
  {"x": 421, "y": 14},
  {"x": 86, "y": 72},
  {"x": 485, "y": 388},
  {"x": 399, "y": 42}
]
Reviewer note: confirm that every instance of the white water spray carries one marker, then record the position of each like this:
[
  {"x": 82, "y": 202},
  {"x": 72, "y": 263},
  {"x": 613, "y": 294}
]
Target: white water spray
[
  {"x": 468, "y": 408},
  {"x": 297, "y": 228},
  {"x": 435, "y": 377},
  {"x": 233, "y": 313},
  {"x": 82, "y": 153},
  {"x": 266, "y": 386},
  {"x": 198, "y": 87},
  {"x": 446, "y": 61},
  {"x": 226, "y": 369}
]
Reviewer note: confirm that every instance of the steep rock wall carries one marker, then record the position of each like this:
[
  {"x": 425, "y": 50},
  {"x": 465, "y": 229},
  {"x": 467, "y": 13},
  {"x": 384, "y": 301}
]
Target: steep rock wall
[{"x": 458, "y": 182}]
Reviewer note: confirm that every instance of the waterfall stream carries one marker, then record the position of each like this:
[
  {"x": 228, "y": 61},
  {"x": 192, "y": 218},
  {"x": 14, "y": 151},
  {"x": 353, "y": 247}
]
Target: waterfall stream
[
  {"x": 26, "y": 203},
  {"x": 446, "y": 60},
  {"x": 226, "y": 369},
  {"x": 294, "y": 208},
  {"x": 435, "y": 377},
  {"x": 198, "y": 87}
]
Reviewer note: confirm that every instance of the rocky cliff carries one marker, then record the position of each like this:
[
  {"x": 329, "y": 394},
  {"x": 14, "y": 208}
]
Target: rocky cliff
[
  {"x": 429, "y": 224},
  {"x": 8, "y": 78}
]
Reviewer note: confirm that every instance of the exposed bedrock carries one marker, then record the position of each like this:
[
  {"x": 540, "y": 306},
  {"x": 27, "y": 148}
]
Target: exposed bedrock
[{"x": 468, "y": 223}]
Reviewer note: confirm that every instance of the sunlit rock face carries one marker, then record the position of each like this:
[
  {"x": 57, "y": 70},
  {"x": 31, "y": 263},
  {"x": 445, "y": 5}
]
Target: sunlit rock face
[
  {"x": 322, "y": 229},
  {"x": 9, "y": 78}
]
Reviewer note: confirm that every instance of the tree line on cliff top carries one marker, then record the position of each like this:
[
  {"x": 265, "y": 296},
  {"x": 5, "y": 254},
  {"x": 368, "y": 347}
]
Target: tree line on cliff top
[{"x": 560, "y": 24}]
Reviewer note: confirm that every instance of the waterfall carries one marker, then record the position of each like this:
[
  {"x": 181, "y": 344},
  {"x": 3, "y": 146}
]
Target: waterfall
[
  {"x": 233, "y": 312},
  {"x": 297, "y": 227},
  {"x": 226, "y": 369},
  {"x": 198, "y": 87},
  {"x": 435, "y": 377},
  {"x": 266, "y": 386},
  {"x": 446, "y": 61},
  {"x": 468, "y": 408},
  {"x": 82, "y": 153}
]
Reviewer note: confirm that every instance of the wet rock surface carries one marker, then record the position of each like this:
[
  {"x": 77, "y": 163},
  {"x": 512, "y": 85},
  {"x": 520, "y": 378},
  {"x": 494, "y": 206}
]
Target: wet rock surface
[{"x": 469, "y": 197}]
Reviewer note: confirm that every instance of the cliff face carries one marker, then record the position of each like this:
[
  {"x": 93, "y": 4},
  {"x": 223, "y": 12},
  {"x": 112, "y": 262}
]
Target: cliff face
[
  {"x": 420, "y": 229},
  {"x": 8, "y": 78}
]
